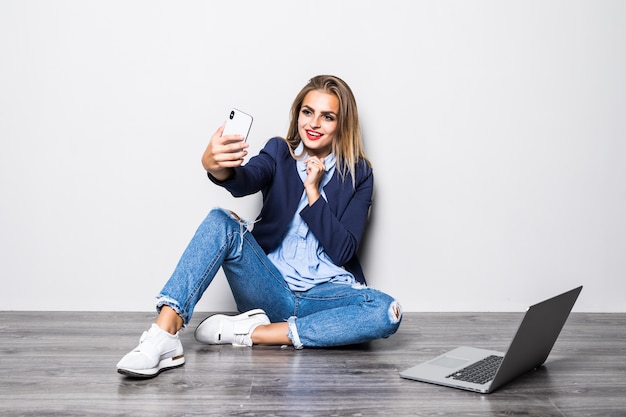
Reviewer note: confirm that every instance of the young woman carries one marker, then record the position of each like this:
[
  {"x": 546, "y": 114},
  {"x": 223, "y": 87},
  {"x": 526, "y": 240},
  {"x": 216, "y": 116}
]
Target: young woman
[{"x": 295, "y": 275}]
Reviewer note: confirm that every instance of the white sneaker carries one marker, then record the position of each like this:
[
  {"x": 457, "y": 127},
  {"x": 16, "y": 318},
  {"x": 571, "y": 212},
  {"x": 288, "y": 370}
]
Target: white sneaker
[
  {"x": 157, "y": 351},
  {"x": 220, "y": 329}
]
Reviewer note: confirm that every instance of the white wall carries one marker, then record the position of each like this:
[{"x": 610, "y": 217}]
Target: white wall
[{"x": 497, "y": 130}]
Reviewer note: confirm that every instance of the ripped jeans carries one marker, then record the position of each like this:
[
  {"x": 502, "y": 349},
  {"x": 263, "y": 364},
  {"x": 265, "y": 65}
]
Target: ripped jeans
[{"x": 330, "y": 314}]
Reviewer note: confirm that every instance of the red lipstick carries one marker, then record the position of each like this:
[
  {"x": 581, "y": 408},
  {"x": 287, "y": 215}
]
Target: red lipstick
[{"x": 313, "y": 135}]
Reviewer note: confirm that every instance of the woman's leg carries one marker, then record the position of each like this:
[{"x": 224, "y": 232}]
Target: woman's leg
[
  {"x": 334, "y": 315},
  {"x": 339, "y": 314},
  {"x": 257, "y": 284},
  {"x": 272, "y": 334},
  {"x": 222, "y": 240},
  {"x": 169, "y": 320}
]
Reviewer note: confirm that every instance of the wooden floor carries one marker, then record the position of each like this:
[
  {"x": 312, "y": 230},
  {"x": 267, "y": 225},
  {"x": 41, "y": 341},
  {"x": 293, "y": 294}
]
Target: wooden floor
[{"x": 63, "y": 364}]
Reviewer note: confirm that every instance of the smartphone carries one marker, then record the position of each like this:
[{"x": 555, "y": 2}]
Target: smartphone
[{"x": 238, "y": 123}]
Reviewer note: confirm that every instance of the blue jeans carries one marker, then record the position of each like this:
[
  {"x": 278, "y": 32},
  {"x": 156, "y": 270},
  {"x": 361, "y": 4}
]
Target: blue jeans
[{"x": 329, "y": 314}]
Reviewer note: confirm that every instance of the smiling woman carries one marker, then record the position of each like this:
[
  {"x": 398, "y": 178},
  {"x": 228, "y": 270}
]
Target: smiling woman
[{"x": 296, "y": 276}]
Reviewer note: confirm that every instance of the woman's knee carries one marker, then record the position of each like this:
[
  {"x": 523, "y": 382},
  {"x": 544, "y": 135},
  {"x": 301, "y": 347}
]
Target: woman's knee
[
  {"x": 394, "y": 317},
  {"x": 220, "y": 214},
  {"x": 389, "y": 312},
  {"x": 395, "y": 312},
  {"x": 218, "y": 217}
]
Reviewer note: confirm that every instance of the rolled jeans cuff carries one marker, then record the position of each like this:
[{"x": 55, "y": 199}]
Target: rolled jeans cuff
[
  {"x": 293, "y": 333},
  {"x": 163, "y": 300}
]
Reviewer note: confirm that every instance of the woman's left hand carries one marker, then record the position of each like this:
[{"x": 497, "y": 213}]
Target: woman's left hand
[{"x": 315, "y": 170}]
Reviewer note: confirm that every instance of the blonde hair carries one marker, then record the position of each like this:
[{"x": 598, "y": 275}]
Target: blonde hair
[{"x": 348, "y": 143}]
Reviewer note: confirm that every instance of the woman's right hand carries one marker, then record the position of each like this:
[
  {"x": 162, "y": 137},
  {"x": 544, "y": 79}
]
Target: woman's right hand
[{"x": 224, "y": 153}]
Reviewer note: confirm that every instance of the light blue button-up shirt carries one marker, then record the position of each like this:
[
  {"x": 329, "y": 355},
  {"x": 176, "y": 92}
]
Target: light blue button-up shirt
[{"x": 300, "y": 258}]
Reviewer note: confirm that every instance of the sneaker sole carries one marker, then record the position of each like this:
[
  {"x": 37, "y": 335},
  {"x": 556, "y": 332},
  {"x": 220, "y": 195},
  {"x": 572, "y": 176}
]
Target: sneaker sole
[
  {"x": 164, "y": 365},
  {"x": 241, "y": 316}
]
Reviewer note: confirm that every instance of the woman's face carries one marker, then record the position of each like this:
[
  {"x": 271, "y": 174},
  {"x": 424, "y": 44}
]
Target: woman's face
[{"x": 317, "y": 122}]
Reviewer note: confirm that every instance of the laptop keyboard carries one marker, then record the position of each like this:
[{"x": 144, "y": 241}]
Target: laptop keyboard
[{"x": 480, "y": 372}]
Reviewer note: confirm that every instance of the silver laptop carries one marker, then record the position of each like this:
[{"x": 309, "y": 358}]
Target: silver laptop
[{"x": 464, "y": 367}]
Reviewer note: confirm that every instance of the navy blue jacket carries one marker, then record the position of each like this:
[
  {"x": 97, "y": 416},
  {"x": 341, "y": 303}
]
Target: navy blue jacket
[{"x": 338, "y": 224}]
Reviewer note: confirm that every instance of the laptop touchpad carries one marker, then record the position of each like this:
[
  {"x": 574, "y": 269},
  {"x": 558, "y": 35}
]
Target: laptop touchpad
[{"x": 448, "y": 362}]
